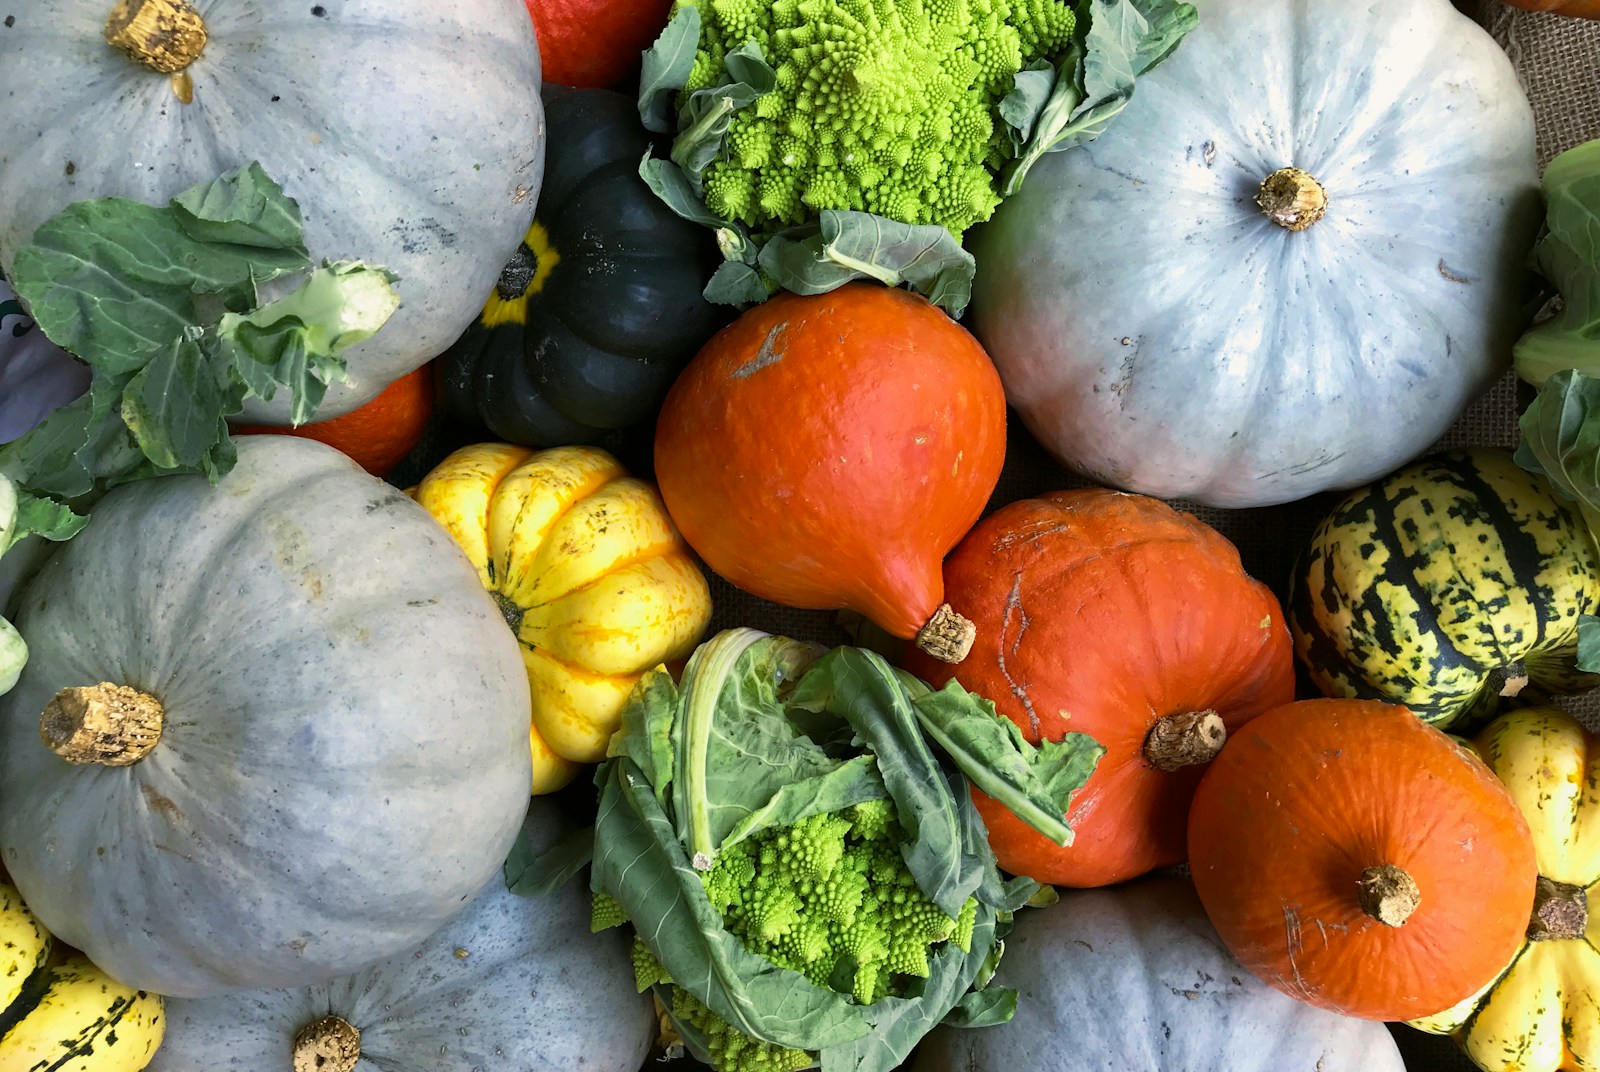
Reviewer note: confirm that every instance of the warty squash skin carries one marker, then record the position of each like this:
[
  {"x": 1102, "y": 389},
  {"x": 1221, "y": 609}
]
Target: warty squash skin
[
  {"x": 342, "y": 755},
  {"x": 1117, "y": 616},
  {"x": 1445, "y": 587},
  {"x": 511, "y": 983},
  {"x": 1542, "y": 1014},
  {"x": 594, "y": 581},
  {"x": 1360, "y": 860},
  {"x": 1159, "y": 333},
  {"x": 826, "y": 451},
  {"x": 1136, "y": 978},
  {"x": 411, "y": 135}
]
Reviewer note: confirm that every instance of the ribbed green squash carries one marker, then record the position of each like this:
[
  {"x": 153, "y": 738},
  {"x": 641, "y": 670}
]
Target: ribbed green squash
[{"x": 1452, "y": 583}]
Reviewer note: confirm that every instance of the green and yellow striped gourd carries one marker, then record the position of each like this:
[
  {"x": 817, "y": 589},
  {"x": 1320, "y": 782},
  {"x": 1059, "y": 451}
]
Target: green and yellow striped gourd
[{"x": 1455, "y": 582}]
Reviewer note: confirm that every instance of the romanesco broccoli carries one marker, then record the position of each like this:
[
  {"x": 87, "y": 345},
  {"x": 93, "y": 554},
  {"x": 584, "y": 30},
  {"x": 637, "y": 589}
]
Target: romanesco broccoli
[
  {"x": 830, "y": 898},
  {"x": 881, "y": 106}
]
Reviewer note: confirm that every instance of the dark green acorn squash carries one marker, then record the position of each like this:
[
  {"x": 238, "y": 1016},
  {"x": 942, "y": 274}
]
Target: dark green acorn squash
[
  {"x": 600, "y": 307},
  {"x": 1447, "y": 587}
]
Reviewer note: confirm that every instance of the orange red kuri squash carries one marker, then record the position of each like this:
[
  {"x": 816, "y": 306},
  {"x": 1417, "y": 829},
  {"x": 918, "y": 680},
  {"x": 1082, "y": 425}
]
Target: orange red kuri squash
[
  {"x": 1579, "y": 9},
  {"x": 1120, "y": 617},
  {"x": 827, "y": 451},
  {"x": 594, "y": 43},
  {"x": 1358, "y": 859}
]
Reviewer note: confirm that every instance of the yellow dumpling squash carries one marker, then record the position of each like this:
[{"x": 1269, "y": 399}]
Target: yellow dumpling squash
[
  {"x": 590, "y": 573},
  {"x": 1542, "y": 1014}
]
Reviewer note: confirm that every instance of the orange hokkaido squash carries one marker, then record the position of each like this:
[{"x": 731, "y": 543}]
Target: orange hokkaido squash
[
  {"x": 827, "y": 451},
  {"x": 1117, "y": 616},
  {"x": 1356, "y": 858},
  {"x": 594, "y": 42},
  {"x": 1580, "y": 9}
]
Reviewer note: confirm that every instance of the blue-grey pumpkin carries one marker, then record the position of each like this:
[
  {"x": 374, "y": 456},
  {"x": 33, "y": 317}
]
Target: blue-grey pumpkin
[
  {"x": 1135, "y": 977},
  {"x": 1159, "y": 331},
  {"x": 511, "y": 983},
  {"x": 337, "y": 758}
]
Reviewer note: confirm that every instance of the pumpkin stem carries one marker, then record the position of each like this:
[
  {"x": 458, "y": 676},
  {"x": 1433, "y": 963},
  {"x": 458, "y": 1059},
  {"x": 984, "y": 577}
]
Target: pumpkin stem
[
  {"x": 1509, "y": 680},
  {"x": 1184, "y": 739},
  {"x": 1560, "y": 910},
  {"x": 947, "y": 636},
  {"x": 1388, "y": 894},
  {"x": 510, "y": 611},
  {"x": 1292, "y": 199},
  {"x": 163, "y": 35},
  {"x": 331, "y": 1044},
  {"x": 112, "y": 725}
]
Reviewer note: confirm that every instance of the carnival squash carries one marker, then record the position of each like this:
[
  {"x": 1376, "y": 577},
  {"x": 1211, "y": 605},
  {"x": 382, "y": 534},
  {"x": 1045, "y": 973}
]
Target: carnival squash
[
  {"x": 1543, "y": 1012},
  {"x": 511, "y": 983},
  {"x": 827, "y": 451},
  {"x": 1116, "y": 616},
  {"x": 590, "y": 575},
  {"x": 1448, "y": 585},
  {"x": 270, "y": 731},
  {"x": 1160, "y": 332},
  {"x": 363, "y": 110},
  {"x": 1359, "y": 859},
  {"x": 600, "y": 307},
  {"x": 1136, "y": 978}
]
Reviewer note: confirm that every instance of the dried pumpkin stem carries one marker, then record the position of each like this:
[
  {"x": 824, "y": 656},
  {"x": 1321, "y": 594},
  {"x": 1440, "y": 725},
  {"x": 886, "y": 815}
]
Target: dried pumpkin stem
[
  {"x": 112, "y": 725},
  {"x": 1388, "y": 894},
  {"x": 1292, "y": 199},
  {"x": 331, "y": 1044},
  {"x": 1560, "y": 910},
  {"x": 1184, "y": 739},
  {"x": 947, "y": 636},
  {"x": 163, "y": 35},
  {"x": 1509, "y": 680}
]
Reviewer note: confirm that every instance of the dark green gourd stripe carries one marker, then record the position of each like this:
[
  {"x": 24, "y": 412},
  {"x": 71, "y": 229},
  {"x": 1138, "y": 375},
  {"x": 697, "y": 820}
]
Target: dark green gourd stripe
[{"x": 1422, "y": 588}]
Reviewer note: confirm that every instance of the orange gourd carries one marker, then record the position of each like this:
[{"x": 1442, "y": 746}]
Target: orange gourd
[
  {"x": 827, "y": 451},
  {"x": 1117, "y": 616},
  {"x": 1358, "y": 859},
  {"x": 594, "y": 42},
  {"x": 1580, "y": 9}
]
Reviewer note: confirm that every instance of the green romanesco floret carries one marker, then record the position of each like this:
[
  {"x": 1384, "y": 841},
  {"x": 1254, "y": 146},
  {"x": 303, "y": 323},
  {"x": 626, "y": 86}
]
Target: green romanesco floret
[
  {"x": 882, "y": 106},
  {"x": 605, "y": 912},
  {"x": 831, "y": 898},
  {"x": 731, "y": 1050}
]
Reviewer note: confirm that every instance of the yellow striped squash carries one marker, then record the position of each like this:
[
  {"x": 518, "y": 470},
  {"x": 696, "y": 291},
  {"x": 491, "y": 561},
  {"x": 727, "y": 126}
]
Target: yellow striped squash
[
  {"x": 590, "y": 573},
  {"x": 1542, "y": 1014},
  {"x": 1452, "y": 583}
]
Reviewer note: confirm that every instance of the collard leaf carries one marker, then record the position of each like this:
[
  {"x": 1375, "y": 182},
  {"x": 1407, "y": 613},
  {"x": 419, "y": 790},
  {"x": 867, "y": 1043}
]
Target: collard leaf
[
  {"x": 735, "y": 748},
  {"x": 645, "y": 736},
  {"x": 1094, "y": 81},
  {"x": 639, "y": 861},
  {"x": 665, "y": 66},
  {"x": 669, "y": 183},
  {"x": 1035, "y": 784},
  {"x": 159, "y": 303},
  {"x": 988, "y": 1007},
  {"x": 530, "y": 872},
  {"x": 842, "y": 246},
  {"x": 854, "y": 781},
  {"x": 1568, "y": 254},
  {"x": 735, "y": 283},
  {"x": 704, "y": 116},
  {"x": 1561, "y": 439},
  {"x": 243, "y": 209},
  {"x": 174, "y": 406},
  {"x": 1588, "y": 644},
  {"x": 1020, "y": 108},
  {"x": 13, "y": 656}
]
